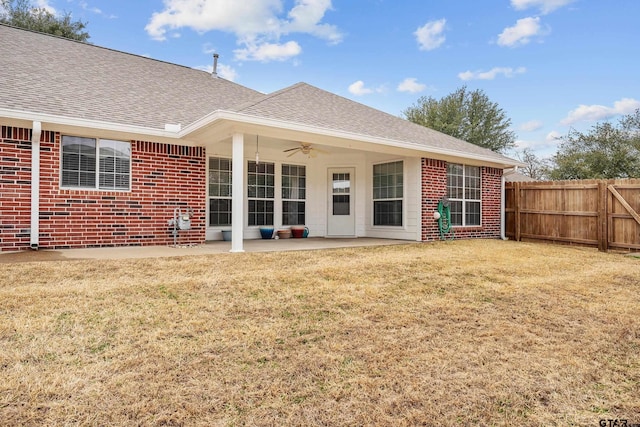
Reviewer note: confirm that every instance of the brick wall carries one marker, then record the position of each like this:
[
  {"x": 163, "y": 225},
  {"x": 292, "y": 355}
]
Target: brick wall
[
  {"x": 163, "y": 177},
  {"x": 434, "y": 188},
  {"x": 15, "y": 186}
]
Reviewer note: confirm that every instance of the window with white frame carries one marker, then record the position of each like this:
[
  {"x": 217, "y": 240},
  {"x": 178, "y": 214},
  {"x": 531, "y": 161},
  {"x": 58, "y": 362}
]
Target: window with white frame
[
  {"x": 260, "y": 192},
  {"x": 388, "y": 190},
  {"x": 219, "y": 192},
  {"x": 293, "y": 194},
  {"x": 95, "y": 163},
  {"x": 464, "y": 193}
]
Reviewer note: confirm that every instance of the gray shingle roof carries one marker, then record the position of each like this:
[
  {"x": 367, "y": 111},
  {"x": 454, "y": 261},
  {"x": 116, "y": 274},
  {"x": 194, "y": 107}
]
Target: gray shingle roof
[
  {"x": 306, "y": 104},
  {"x": 50, "y": 75}
]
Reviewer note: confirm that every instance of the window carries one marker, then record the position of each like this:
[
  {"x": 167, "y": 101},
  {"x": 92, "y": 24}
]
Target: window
[
  {"x": 219, "y": 192},
  {"x": 341, "y": 194},
  {"x": 387, "y": 193},
  {"x": 293, "y": 194},
  {"x": 95, "y": 163},
  {"x": 261, "y": 192},
  {"x": 463, "y": 191}
]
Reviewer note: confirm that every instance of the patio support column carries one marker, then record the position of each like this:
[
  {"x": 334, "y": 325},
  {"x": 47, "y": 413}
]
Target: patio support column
[{"x": 237, "y": 202}]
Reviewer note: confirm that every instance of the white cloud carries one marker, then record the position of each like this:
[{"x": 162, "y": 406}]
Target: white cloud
[
  {"x": 545, "y": 6},
  {"x": 553, "y": 137},
  {"x": 522, "y": 144},
  {"x": 531, "y": 126},
  {"x": 209, "y": 49},
  {"x": 542, "y": 148},
  {"x": 491, "y": 74},
  {"x": 429, "y": 36},
  {"x": 588, "y": 113},
  {"x": 411, "y": 85},
  {"x": 225, "y": 71},
  {"x": 521, "y": 33},
  {"x": 306, "y": 16},
  {"x": 257, "y": 24},
  {"x": 44, "y": 4},
  {"x": 357, "y": 88},
  {"x": 85, "y": 6},
  {"x": 268, "y": 51}
]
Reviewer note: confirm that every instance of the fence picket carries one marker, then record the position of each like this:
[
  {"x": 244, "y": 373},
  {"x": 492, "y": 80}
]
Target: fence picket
[{"x": 600, "y": 213}]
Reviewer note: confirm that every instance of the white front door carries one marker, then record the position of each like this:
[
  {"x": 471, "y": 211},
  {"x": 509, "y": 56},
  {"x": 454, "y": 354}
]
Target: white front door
[{"x": 341, "y": 214}]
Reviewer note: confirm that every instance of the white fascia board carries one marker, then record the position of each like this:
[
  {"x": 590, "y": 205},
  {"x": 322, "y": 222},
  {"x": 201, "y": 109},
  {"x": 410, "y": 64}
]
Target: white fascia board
[
  {"x": 283, "y": 124},
  {"x": 86, "y": 123},
  {"x": 223, "y": 115}
]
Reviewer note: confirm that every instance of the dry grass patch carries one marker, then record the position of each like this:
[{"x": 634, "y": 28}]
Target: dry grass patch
[{"x": 449, "y": 333}]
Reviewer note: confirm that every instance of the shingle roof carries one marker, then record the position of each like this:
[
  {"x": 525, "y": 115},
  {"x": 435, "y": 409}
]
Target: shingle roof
[
  {"x": 513, "y": 176},
  {"x": 46, "y": 74},
  {"x": 306, "y": 104},
  {"x": 51, "y": 75}
]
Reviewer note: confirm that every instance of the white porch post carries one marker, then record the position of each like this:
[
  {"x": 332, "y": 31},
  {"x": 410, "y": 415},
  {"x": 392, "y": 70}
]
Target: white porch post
[{"x": 237, "y": 199}]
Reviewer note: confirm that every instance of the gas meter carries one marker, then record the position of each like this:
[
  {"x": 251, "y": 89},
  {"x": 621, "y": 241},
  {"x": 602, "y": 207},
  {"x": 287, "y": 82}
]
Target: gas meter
[
  {"x": 181, "y": 221},
  {"x": 184, "y": 221}
]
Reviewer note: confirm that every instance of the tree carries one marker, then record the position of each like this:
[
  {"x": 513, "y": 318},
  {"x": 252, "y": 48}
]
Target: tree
[
  {"x": 606, "y": 151},
  {"x": 536, "y": 167},
  {"x": 21, "y": 13},
  {"x": 467, "y": 115}
]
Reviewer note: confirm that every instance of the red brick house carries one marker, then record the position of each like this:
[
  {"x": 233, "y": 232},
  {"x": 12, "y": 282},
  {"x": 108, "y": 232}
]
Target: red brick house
[{"x": 103, "y": 148}]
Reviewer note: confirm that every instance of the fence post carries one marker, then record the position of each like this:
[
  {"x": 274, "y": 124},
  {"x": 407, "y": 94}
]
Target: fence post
[
  {"x": 517, "y": 200},
  {"x": 603, "y": 220}
]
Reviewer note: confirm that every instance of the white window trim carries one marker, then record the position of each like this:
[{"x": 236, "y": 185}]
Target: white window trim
[
  {"x": 403, "y": 198},
  {"x": 274, "y": 199},
  {"x": 463, "y": 200},
  {"x": 96, "y": 187},
  {"x": 282, "y": 199},
  {"x": 209, "y": 197}
]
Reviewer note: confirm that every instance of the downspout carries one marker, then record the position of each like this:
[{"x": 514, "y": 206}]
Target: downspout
[
  {"x": 35, "y": 185},
  {"x": 503, "y": 214}
]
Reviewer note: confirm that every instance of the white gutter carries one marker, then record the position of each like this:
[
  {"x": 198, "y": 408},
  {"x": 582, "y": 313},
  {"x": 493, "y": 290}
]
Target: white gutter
[
  {"x": 175, "y": 133},
  {"x": 220, "y": 115},
  {"x": 170, "y": 130},
  {"x": 35, "y": 185}
]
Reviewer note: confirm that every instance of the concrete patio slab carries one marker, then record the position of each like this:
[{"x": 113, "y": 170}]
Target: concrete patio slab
[{"x": 130, "y": 252}]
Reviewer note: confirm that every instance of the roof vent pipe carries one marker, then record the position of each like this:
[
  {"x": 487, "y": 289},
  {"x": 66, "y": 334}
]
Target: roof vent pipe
[{"x": 214, "y": 73}]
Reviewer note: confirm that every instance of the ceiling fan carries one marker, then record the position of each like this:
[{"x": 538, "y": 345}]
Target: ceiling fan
[{"x": 304, "y": 148}]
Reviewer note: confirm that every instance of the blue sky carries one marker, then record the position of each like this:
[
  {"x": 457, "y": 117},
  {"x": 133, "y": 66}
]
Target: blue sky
[{"x": 551, "y": 65}]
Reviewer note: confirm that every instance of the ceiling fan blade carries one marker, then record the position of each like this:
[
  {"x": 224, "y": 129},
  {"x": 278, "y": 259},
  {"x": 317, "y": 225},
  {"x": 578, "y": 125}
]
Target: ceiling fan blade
[
  {"x": 289, "y": 155},
  {"x": 290, "y": 149}
]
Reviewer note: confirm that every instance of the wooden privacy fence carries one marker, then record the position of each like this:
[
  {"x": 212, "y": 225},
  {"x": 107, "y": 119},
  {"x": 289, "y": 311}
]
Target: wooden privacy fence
[{"x": 600, "y": 213}]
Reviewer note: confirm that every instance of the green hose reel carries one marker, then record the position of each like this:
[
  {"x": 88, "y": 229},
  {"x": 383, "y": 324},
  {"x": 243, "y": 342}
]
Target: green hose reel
[{"x": 444, "y": 220}]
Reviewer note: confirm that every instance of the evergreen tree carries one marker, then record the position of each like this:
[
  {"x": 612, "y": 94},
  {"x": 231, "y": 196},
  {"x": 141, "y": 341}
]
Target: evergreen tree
[{"x": 467, "y": 115}]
